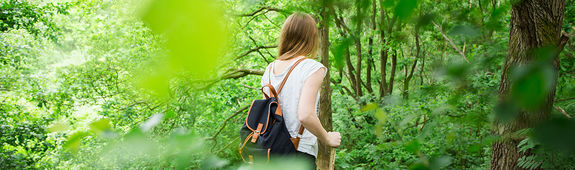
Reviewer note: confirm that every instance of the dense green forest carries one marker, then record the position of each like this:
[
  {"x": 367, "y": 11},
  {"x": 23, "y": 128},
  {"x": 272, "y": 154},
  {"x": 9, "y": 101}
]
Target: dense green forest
[{"x": 412, "y": 84}]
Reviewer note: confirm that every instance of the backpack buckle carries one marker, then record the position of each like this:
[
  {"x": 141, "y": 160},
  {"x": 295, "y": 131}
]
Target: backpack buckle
[{"x": 257, "y": 133}]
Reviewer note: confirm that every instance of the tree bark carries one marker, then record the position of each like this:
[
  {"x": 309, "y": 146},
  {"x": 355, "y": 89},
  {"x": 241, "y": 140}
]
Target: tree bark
[
  {"x": 383, "y": 64},
  {"x": 383, "y": 54},
  {"x": 410, "y": 76},
  {"x": 325, "y": 112},
  {"x": 350, "y": 71},
  {"x": 357, "y": 39},
  {"x": 421, "y": 69},
  {"x": 392, "y": 76},
  {"x": 370, "y": 51},
  {"x": 534, "y": 24}
]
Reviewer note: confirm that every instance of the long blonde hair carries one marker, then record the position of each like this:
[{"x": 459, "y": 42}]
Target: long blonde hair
[{"x": 299, "y": 37}]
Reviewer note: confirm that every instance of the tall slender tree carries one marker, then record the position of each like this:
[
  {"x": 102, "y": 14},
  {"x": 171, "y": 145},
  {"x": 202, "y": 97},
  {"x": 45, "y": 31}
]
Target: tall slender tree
[{"x": 325, "y": 112}]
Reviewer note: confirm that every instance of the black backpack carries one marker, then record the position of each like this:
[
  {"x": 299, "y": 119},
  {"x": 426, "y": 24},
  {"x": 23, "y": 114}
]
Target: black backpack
[{"x": 264, "y": 132}]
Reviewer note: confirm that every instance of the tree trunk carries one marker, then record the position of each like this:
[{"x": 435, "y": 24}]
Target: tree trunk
[
  {"x": 350, "y": 74},
  {"x": 370, "y": 51},
  {"x": 358, "y": 80},
  {"x": 325, "y": 112},
  {"x": 534, "y": 24},
  {"x": 383, "y": 64},
  {"x": 392, "y": 76},
  {"x": 383, "y": 54},
  {"x": 357, "y": 39},
  {"x": 410, "y": 76},
  {"x": 421, "y": 69}
]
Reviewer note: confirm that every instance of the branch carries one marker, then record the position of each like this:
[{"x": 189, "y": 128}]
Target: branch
[
  {"x": 267, "y": 9},
  {"x": 563, "y": 40},
  {"x": 222, "y": 149},
  {"x": 258, "y": 48},
  {"x": 565, "y": 99},
  {"x": 258, "y": 12},
  {"x": 213, "y": 137},
  {"x": 562, "y": 111},
  {"x": 348, "y": 92},
  {"x": 340, "y": 23},
  {"x": 249, "y": 87},
  {"x": 450, "y": 42},
  {"x": 231, "y": 74},
  {"x": 241, "y": 73},
  {"x": 423, "y": 124}
]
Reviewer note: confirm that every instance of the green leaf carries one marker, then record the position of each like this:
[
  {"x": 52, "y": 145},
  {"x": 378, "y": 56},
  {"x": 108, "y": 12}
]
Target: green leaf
[
  {"x": 369, "y": 107},
  {"x": 405, "y": 8},
  {"x": 440, "y": 162},
  {"x": 196, "y": 36},
  {"x": 73, "y": 141},
  {"x": 339, "y": 50},
  {"x": 467, "y": 31},
  {"x": 100, "y": 125},
  {"x": 412, "y": 146},
  {"x": 531, "y": 84}
]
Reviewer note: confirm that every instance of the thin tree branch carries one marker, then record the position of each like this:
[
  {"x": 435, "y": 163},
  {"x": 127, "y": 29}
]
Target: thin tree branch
[
  {"x": 227, "y": 145},
  {"x": 257, "y": 49},
  {"x": 213, "y": 137},
  {"x": 249, "y": 87},
  {"x": 563, "y": 40},
  {"x": 262, "y": 11},
  {"x": 451, "y": 42},
  {"x": 234, "y": 74},
  {"x": 263, "y": 8},
  {"x": 348, "y": 91},
  {"x": 340, "y": 23},
  {"x": 565, "y": 99},
  {"x": 559, "y": 109},
  {"x": 259, "y": 52}
]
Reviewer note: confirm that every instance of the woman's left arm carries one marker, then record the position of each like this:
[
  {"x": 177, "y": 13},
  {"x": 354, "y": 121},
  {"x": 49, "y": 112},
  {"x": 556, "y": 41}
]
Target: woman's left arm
[{"x": 307, "y": 112}]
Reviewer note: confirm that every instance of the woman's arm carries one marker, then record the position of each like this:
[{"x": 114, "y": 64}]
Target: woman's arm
[{"x": 306, "y": 110}]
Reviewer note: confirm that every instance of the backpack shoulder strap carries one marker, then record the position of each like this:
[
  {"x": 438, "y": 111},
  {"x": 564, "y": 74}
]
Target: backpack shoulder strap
[
  {"x": 288, "y": 73},
  {"x": 275, "y": 93}
]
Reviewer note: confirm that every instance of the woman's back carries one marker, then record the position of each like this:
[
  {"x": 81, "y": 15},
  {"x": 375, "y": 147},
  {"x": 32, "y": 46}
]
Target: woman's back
[{"x": 289, "y": 96}]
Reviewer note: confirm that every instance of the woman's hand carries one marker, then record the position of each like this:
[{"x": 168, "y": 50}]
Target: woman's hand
[{"x": 333, "y": 139}]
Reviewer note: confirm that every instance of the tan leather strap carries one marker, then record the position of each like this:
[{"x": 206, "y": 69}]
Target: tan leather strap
[
  {"x": 272, "y": 90},
  {"x": 288, "y": 73},
  {"x": 301, "y": 128},
  {"x": 270, "y": 72},
  {"x": 295, "y": 140},
  {"x": 257, "y": 133},
  {"x": 242, "y": 146}
]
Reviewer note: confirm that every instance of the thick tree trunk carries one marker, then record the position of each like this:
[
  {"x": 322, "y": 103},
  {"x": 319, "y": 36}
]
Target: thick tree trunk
[
  {"x": 325, "y": 112},
  {"x": 534, "y": 24}
]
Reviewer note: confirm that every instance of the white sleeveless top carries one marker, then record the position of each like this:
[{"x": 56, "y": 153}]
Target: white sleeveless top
[{"x": 289, "y": 99}]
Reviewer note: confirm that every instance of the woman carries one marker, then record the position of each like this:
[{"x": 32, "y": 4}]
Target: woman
[{"x": 300, "y": 95}]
